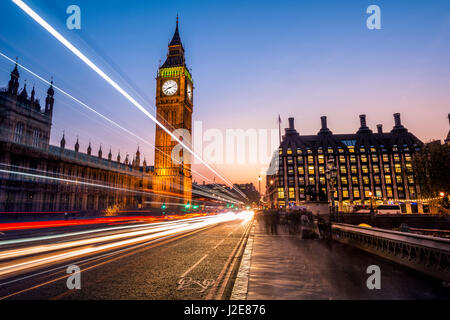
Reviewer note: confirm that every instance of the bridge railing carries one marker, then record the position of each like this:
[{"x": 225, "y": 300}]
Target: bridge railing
[{"x": 426, "y": 254}]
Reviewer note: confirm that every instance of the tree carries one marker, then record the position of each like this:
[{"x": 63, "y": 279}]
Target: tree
[{"x": 432, "y": 169}]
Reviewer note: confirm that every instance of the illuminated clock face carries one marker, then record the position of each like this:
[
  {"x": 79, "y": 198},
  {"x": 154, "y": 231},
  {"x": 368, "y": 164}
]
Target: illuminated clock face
[
  {"x": 170, "y": 87},
  {"x": 189, "y": 91}
]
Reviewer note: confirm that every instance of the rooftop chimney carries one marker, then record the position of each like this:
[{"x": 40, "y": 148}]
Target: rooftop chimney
[
  {"x": 291, "y": 124},
  {"x": 397, "y": 120},
  {"x": 363, "y": 128},
  {"x": 323, "y": 120},
  {"x": 324, "y": 129},
  {"x": 380, "y": 128},
  {"x": 398, "y": 124},
  {"x": 362, "y": 120}
]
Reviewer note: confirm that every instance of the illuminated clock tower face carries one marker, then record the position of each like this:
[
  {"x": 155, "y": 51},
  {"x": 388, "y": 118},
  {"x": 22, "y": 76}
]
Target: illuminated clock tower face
[
  {"x": 170, "y": 87},
  {"x": 189, "y": 92}
]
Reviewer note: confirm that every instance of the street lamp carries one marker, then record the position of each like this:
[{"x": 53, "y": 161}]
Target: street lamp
[
  {"x": 331, "y": 174},
  {"x": 371, "y": 201}
]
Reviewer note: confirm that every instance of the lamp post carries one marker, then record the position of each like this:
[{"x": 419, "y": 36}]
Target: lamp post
[
  {"x": 371, "y": 202},
  {"x": 331, "y": 174},
  {"x": 259, "y": 190}
]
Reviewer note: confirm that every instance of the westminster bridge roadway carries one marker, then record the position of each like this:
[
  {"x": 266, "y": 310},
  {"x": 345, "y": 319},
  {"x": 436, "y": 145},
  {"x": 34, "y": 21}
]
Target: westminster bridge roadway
[{"x": 196, "y": 258}]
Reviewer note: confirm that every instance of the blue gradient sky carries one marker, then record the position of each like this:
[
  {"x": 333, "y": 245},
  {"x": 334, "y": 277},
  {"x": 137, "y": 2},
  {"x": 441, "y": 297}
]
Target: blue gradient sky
[{"x": 251, "y": 60}]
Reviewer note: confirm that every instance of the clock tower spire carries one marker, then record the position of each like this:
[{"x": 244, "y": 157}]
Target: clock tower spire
[{"x": 174, "y": 106}]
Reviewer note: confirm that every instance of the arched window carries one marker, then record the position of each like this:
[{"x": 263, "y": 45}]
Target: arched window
[
  {"x": 36, "y": 137},
  {"x": 18, "y": 133}
]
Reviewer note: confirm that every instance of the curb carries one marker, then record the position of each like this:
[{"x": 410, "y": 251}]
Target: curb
[{"x": 240, "y": 288}]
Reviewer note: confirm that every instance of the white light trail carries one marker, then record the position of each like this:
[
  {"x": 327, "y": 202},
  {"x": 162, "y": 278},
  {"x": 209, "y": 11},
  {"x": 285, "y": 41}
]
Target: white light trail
[
  {"x": 102, "y": 74},
  {"x": 45, "y": 254}
]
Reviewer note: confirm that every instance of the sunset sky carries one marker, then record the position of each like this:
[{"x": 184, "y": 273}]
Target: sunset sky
[{"x": 251, "y": 60}]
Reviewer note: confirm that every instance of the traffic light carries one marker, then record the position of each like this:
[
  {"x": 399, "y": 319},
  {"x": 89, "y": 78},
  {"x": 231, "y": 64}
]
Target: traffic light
[
  {"x": 187, "y": 206},
  {"x": 163, "y": 206}
]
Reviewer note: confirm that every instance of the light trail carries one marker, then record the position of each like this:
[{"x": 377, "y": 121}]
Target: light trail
[
  {"x": 103, "y": 116},
  {"x": 119, "y": 89},
  {"x": 19, "y": 260},
  {"x": 97, "y": 185}
]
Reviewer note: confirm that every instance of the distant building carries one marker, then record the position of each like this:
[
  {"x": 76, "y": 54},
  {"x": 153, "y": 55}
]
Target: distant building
[
  {"x": 367, "y": 163},
  {"x": 447, "y": 140}
]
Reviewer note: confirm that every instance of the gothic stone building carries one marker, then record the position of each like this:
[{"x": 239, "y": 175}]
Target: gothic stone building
[
  {"x": 370, "y": 167},
  {"x": 41, "y": 178}
]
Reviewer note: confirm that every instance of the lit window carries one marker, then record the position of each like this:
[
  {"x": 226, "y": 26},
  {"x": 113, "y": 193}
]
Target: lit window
[
  {"x": 289, "y": 151},
  {"x": 344, "y": 180},
  {"x": 300, "y": 159},
  {"x": 366, "y": 180},
  {"x": 365, "y": 169},
  {"x": 343, "y": 169},
  {"x": 388, "y": 179},
  {"x": 407, "y": 157},
  {"x": 396, "y": 158},
  {"x": 387, "y": 169},
  {"x": 389, "y": 192},
  {"x": 377, "y": 179},
  {"x": 398, "y": 168},
  {"x": 301, "y": 171},
  {"x": 280, "y": 193},
  {"x": 385, "y": 158},
  {"x": 354, "y": 169},
  {"x": 410, "y": 179},
  {"x": 345, "y": 193},
  {"x": 321, "y": 170},
  {"x": 376, "y": 169},
  {"x": 352, "y": 159},
  {"x": 351, "y": 149},
  {"x": 310, "y": 159},
  {"x": 301, "y": 181},
  {"x": 374, "y": 158},
  {"x": 363, "y": 158},
  {"x": 342, "y": 159},
  {"x": 322, "y": 180},
  {"x": 321, "y": 159},
  {"x": 355, "y": 180},
  {"x": 312, "y": 181},
  {"x": 310, "y": 170},
  {"x": 355, "y": 193},
  {"x": 399, "y": 179},
  {"x": 409, "y": 167},
  {"x": 330, "y": 150},
  {"x": 289, "y": 160}
]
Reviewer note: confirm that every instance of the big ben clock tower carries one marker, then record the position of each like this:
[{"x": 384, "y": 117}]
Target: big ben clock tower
[{"x": 174, "y": 104}]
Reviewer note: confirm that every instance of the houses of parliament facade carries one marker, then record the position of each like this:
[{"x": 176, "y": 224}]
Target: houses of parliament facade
[{"x": 36, "y": 177}]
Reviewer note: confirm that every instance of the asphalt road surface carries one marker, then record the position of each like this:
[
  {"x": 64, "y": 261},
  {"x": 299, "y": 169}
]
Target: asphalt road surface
[{"x": 185, "y": 259}]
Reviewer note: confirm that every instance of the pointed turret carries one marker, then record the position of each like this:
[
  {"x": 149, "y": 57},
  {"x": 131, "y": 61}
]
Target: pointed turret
[
  {"x": 89, "y": 149},
  {"x": 118, "y": 157},
  {"x": 109, "y": 154},
  {"x": 49, "y": 101},
  {"x": 63, "y": 141},
  {"x": 138, "y": 157},
  {"x": 77, "y": 146},
  {"x": 13, "y": 85},
  {"x": 24, "y": 94},
  {"x": 100, "y": 152}
]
